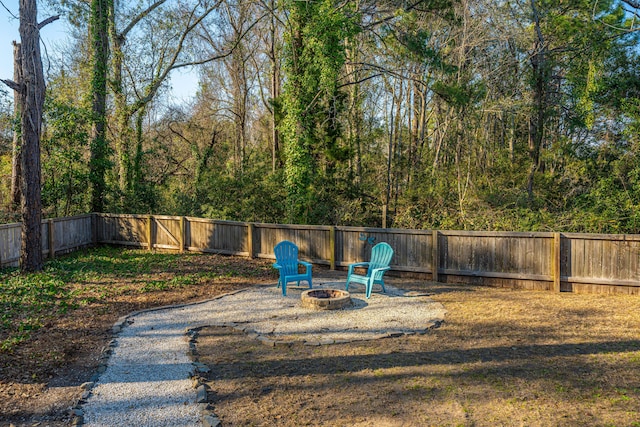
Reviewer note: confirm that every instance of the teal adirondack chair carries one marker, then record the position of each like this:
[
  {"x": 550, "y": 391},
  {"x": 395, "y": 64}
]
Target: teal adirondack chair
[
  {"x": 287, "y": 263},
  {"x": 379, "y": 264}
]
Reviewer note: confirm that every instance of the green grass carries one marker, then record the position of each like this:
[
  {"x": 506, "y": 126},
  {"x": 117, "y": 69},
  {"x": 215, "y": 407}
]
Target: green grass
[{"x": 29, "y": 301}]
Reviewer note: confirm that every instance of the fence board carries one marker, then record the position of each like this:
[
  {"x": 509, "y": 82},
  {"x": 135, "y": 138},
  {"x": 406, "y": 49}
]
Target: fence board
[
  {"x": 588, "y": 262},
  {"x": 126, "y": 230},
  {"x": 167, "y": 232},
  {"x": 313, "y": 242},
  {"x": 226, "y": 237},
  {"x": 10, "y": 241},
  {"x": 69, "y": 234},
  {"x": 593, "y": 257}
]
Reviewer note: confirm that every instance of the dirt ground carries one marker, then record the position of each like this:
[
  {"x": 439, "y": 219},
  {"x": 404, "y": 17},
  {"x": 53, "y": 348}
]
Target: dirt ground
[{"x": 501, "y": 358}]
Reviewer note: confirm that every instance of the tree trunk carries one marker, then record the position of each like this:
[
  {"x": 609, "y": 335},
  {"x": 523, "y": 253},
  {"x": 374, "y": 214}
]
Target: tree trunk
[
  {"x": 387, "y": 194},
  {"x": 138, "y": 175},
  {"x": 16, "y": 158},
  {"x": 298, "y": 134},
  {"x": 540, "y": 70},
  {"x": 32, "y": 102},
  {"x": 275, "y": 92},
  {"x": 123, "y": 122},
  {"x": 98, "y": 140}
]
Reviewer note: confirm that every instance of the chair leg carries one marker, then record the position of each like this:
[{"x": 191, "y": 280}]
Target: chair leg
[
  {"x": 369, "y": 287},
  {"x": 284, "y": 288}
]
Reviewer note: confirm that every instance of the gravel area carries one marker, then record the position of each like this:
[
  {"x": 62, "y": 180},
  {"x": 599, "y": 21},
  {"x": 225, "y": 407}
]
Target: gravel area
[{"x": 147, "y": 377}]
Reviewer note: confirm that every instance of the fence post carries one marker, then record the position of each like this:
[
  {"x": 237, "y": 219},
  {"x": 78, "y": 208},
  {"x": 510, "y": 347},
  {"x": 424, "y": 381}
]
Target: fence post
[
  {"x": 332, "y": 247},
  {"x": 94, "y": 229},
  {"x": 555, "y": 262},
  {"x": 149, "y": 231},
  {"x": 435, "y": 256},
  {"x": 181, "y": 236},
  {"x": 52, "y": 240},
  {"x": 250, "y": 239}
]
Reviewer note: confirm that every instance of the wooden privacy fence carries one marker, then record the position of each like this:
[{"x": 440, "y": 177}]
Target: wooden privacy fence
[
  {"x": 59, "y": 236},
  {"x": 548, "y": 261},
  {"x": 573, "y": 262}
]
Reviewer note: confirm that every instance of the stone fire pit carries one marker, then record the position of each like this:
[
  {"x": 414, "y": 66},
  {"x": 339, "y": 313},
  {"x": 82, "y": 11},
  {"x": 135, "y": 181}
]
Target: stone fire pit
[{"x": 325, "y": 299}]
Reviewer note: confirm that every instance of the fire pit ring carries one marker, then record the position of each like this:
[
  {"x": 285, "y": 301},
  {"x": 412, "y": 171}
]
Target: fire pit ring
[{"x": 325, "y": 299}]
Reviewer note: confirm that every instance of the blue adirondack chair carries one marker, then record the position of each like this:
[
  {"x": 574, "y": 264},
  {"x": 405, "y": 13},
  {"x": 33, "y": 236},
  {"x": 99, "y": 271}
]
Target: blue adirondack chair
[
  {"x": 380, "y": 258},
  {"x": 287, "y": 263}
]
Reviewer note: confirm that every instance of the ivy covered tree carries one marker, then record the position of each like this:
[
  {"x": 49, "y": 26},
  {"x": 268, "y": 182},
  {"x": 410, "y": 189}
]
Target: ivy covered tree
[
  {"x": 313, "y": 101},
  {"x": 99, "y": 147},
  {"x": 465, "y": 114}
]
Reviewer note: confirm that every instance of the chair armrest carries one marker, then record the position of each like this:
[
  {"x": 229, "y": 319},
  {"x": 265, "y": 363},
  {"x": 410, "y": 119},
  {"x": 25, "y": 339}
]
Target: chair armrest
[
  {"x": 377, "y": 270},
  {"x": 306, "y": 264},
  {"x": 357, "y": 264},
  {"x": 276, "y": 265}
]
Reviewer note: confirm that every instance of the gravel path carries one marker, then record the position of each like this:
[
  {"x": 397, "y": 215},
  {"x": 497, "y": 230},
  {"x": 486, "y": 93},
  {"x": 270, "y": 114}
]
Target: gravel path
[{"x": 147, "y": 377}]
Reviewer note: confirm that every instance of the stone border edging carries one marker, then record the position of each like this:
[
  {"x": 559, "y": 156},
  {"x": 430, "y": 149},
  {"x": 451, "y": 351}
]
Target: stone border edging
[
  {"x": 76, "y": 412},
  {"x": 209, "y": 419}
]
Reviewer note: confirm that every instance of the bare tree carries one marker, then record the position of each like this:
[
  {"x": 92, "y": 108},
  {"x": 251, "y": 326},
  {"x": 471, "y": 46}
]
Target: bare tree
[
  {"x": 168, "y": 34},
  {"x": 15, "y": 166},
  {"x": 31, "y": 88}
]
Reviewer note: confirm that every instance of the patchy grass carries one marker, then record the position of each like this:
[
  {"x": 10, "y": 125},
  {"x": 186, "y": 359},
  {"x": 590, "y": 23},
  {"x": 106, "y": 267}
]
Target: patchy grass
[
  {"x": 55, "y": 323},
  {"x": 95, "y": 277},
  {"x": 27, "y": 302}
]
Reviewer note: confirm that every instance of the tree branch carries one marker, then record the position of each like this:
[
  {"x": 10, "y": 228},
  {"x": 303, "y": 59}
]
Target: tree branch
[
  {"x": 174, "y": 64},
  {"x": 7, "y": 9},
  {"x": 162, "y": 75},
  {"x": 48, "y": 21},
  {"x": 13, "y": 85},
  {"x": 385, "y": 71},
  {"x": 393, "y": 15},
  {"x": 139, "y": 17},
  {"x": 632, "y": 3}
]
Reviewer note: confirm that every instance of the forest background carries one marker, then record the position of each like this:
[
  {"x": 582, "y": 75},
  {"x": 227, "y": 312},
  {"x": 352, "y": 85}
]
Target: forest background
[{"x": 474, "y": 115}]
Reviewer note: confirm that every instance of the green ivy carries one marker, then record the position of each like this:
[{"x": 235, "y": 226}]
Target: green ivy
[{"x": 312, "y": 101}]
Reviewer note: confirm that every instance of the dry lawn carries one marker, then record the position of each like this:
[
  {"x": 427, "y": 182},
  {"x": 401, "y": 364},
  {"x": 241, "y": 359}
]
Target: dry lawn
[{"x": 502, "y": 358}]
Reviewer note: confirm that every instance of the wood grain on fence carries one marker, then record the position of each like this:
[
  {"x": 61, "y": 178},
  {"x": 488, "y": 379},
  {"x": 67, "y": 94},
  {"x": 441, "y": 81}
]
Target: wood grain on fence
[
  {"x": 10, "y": 242},
  {"x": 589, "y": 260},
  {"x": 126, "y": 230},
  {"x": 314, "y": 243},
  {"x": 546, "y": 261},
  {"x": 223, "y": 237},
  {"x": 550, "y": 261},
  {"x": 59, "y": 236}
]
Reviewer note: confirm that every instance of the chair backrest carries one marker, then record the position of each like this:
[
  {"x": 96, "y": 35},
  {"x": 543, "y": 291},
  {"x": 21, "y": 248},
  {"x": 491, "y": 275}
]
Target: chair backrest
[
  {"x": 286, "y": 253},
  {"x": 381, "y": 255}
]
